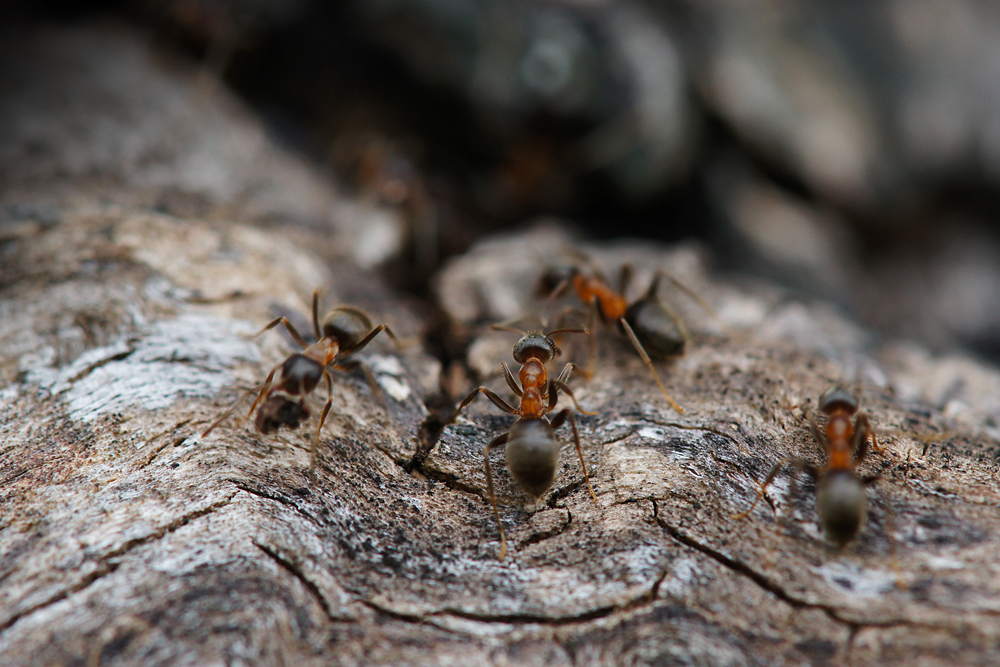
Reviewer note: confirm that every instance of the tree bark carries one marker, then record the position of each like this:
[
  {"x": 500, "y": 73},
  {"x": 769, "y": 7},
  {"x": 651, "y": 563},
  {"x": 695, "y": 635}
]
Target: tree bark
[{"x": 125, "y": 538}]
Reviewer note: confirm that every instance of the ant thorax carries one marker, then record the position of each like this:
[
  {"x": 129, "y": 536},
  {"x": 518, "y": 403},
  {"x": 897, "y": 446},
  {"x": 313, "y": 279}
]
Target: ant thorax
[
  {"x": 533, "y": 380},
  {"x": 611, "y": 305},
  {"x": 323, "y": 351}
]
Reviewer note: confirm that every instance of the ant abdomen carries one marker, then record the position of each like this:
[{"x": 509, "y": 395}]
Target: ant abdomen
[
  {"x": 532, "y": 455},
  {"x": 842, "y": 505},
  {"x": 278, "y": 411},
  {"x": 655, "y": 328}
]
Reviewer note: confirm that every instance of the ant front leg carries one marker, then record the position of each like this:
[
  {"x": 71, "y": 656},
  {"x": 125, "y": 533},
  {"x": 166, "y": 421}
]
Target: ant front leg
[
  {"x": 315, "y": 313},
  {"x": 555, "y": 386},
  {"x": 288, "y": 325},
  {"x": 511, "y": 382},
  {"x": 556, "y": 422},
  {"x": 798, "y": 463},
  {"x": 370, "y": 335},
  {"x": 474, "y": 394},
  {"x": 862, "y": 431},
  {"x": 498, "y": 441}
]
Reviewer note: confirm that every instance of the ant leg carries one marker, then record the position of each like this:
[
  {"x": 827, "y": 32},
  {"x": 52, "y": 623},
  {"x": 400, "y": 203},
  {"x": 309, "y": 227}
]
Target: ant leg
[
  {"x": 315, "y": 309},
  {"x": 556, "y": 423},
  {"x": 817, "y": 434},
  {"x": 564, "y": 316},
  {"x": 649, "y": 362},
  {"x": 625, "y": 276},
  {"x": 889, "y": 532},
  {"x": 554, "y": 294},
  {"x": 262, "y": 392},
  {"x": 314, "y": 455},
  {"x": 566, "y": 372},
  {"x": 370, "y": 335},
  {"x": 288, "y": 325},
  {"x": 350, "y": 365},
  {"x": 474, "y": 394},
  {"x": 509, "y": 377},
  {"x": 563, "y": 387},
  {"x": 862, "y": 431},
  {"x": 687, "y": 290},
  {"x": 588, "y": 330},
  {"x": 763, "y": 487},
  {"x": 498, "y": 441}
]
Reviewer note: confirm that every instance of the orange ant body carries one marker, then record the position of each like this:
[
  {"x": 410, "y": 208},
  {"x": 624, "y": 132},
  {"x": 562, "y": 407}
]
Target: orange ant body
[
  {"x": 840, "y": 494},
  {"x": 653, "y": 329},
  {"x": 345, "y": 330},
  {"x": 532, "y": 451}
]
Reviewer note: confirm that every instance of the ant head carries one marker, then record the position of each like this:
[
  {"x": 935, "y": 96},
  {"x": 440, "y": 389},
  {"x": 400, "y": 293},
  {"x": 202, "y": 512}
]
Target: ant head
[
  {"x": 346, "y": 325},
  {"x": 838, "y": 398},
  {"x": 555, "y": 277},
  {"x": 535, "y": 344},
  {"x": 842, "y": 505}
]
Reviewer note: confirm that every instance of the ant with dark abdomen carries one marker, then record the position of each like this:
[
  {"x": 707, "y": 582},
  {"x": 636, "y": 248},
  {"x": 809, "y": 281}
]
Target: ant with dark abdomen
[
  {"x": 840, "y": 493},
  {"x": 345, "y": 330},
  {"x": 532, "y": 451},
  {"x": 650, "y": 325}
]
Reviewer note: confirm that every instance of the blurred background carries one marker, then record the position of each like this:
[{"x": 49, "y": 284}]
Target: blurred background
[{"x": 848, "y": 150}]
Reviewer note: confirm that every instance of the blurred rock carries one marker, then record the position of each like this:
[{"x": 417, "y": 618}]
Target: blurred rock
[{"x": 94, "y": 110}]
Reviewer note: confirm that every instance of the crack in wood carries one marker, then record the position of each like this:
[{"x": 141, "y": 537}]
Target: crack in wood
[
  {"x": 287, "y": 502},
  {"x": 296, "y": 571},
  {"x": 106, "y": 564}
]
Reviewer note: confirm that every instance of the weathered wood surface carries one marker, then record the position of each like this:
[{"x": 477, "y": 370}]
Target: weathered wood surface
[{"x": 125, "y": 539}]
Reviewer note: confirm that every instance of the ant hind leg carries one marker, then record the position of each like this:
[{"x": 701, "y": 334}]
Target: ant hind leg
[
  {"x": 498, "y": 441},
  {"x": 314, "y": 455},
  {"x": 649, "y": 362},
  {"x": 556, "y": 423}
]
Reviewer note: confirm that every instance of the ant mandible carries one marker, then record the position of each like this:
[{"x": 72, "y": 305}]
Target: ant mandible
[
  {"x": 532, "y": 451},
  {"x": 648, "y": 322},
  {"x": 840, "y": 494},
  {"x": 345, "y": 330}
]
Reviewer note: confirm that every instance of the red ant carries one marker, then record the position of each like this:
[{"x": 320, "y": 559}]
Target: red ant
[
  {"x": 345, "y": 330},
  {"x": 648, "y": 322},
  {"x": 840, "y": 494},
  {"x": 532, "y": 451}
]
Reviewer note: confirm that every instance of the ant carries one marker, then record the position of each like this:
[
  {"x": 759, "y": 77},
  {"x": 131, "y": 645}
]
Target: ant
[
  {"x": 532, "y": 451},
  {"x": 648, "y": 322},
  {"x": 840, "y": 494},
  {"x": 345, "y": 330}
]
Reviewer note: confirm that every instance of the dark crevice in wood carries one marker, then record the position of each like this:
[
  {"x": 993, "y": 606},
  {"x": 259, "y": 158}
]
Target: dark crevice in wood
[
  {"x": 287, "y": 502},
  {"x": 297, "y": 572},
  {"x": 738, "y": 567}
]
